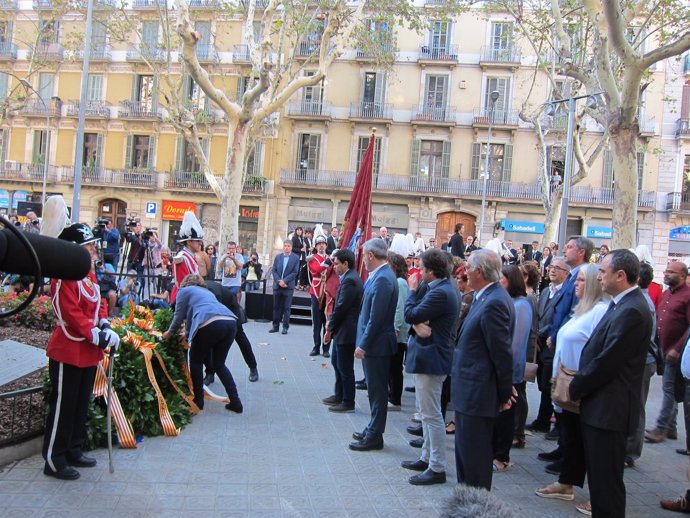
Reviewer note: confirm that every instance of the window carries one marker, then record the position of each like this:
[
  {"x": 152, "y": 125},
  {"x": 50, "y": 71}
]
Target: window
[
  {"x": 187, "y": 159},
  {"x": 500, "y": 161},
  {"x": 98, "y": 39},
  {"x": 48, "y": 32},
  {"x": 308, "y": 152},
  {"x": 312, "y": 97},
  {"x": 93, "y": 150},
  {"x": 254, "y": 159},
  {"x": 46, "y": 86},
  {"x": 4, "y": 79},
  {"x": 501, "y": 40},
  {"x": 608, "y": 180},
  {"x": 204, "y": 31},
  {"x": 243, "y": 84},
  {"x": 430, "y": 159},
  {"x": 149, "y": 35},
  {"x": 439, "y": 38},
  {"x": 555, "y": 161},
  {"x": 436, "y": 91},
  {"x": 373, "y": 94},
  {"x": 141, "y": 152},
  {"x": 362, "y": 145},
  {"x": 640, "y": 170},
  {"x": 379, "y": 33},
  {"x": 685, "y": 188},
  {"x": 40, "y": 146},
  {"x": 502, "y": 104},
  {"x": 5, "y": 33},
  {"x": 573, "y": 46},
  {"x": 194, "y": 95},
  {"x": 143, "y": 90},
  {"x": 94, "y": 89}
]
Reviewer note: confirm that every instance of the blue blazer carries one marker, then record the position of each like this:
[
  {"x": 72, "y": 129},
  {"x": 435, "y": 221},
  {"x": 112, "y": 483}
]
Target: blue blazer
[
  {"x": 194, "y": 305},
  {"x": 482, "y": 377},
  {"x": 376, "y": 324},
  {"x": 290, "y": 275},
  {"x": 563, "y": 307},
  {"x": 440, "y": 307}
]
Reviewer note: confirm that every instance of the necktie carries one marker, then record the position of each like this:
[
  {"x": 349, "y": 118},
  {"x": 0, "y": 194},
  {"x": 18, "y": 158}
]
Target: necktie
[{"x": 611, "y": 306}]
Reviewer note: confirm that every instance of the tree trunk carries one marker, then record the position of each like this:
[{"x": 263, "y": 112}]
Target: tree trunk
[
  {"x": 551, "y": 219},
  {"x": 624, "y": 217},
  {"x": 234, "y": 180}
]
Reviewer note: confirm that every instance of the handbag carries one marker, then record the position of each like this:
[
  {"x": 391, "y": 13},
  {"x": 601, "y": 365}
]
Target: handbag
[
  {"x": 560, "y": 389},
  {"x": 241, "y": 314},
  {"x": 531, "y": 368}
]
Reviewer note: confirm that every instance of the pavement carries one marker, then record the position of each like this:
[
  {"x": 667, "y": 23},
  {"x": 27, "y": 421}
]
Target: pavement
[
  {"x": 18, "y": 359},
  {"x": 287, "y": 456}
]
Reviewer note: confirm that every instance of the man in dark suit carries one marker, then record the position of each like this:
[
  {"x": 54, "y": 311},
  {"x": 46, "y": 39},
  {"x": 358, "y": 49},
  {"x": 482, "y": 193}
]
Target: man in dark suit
[
  {"x": 376, "y": 340},
  {"x": 457, "y": 245},
  {"x": 535, "y": 254},
  {"x": 609, "y": 381},
  {"x": 429, "y": 359},
  {"x": 481, "y": 382},
  {"x": 284, "y": 271},
  {"x": 548, "y": 298},
  {"x": 343, "y": 327},
  {"x": 332, "y": 241}
]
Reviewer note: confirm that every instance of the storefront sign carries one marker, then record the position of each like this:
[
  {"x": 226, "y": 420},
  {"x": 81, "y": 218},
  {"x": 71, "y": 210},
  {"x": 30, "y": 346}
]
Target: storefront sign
[
  {"x": 599, "y": 232},
  {"x": 4, "y": 199},
  {"x": 523, "y": 227},
  {"x": 174, "y": 210},
  {"x": 19, "y": 196},
  {"x": 249, "y": 214},
  {"x": 680, "y": 233}
]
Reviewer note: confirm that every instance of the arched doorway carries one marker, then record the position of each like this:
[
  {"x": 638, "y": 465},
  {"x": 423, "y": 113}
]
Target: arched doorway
[
  {"x": 446, "y": 221},
  {"x": 116, "y": 210}
]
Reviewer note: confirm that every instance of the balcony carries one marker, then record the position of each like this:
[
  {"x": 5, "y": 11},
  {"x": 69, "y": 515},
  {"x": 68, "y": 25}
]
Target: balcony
[
  {"x": 309, "y": 110},
  {"x": 204, "y": 115},
  {"x": 99, "y": 177},
  {"x": 678, "y": 202},
  {"x": 435, "y": 3},
  {"x": 647, "y": 127},
  {"x": 307, "y": 48},
  {"x": 373, "y": 54},
  {"x": 47, "y": 52},
  {"x": 147, "y": 4},
  {"x": 40, "y": 108},
  {"x": 368, "y": 111},
  {"x": 8, "y": 51},
  {"x": 98, "y": 53},
  {"x": 431, "y": 55},
  {"x": 42, "y": 4},
  {"x": 503, "y": 119},
  {"x": 683, "y": 128},
  {"x": 206, "y": 53},
  {"x": 146, "y": 53},
  {"x": 499, "y": 58},
  {"x": 27, "y": 173},
  {"x": 93, "y": 109},
  {"x": 139, "y": 110},
  {"x": 203, "y": 4},
  {"x": 105, "y": 4},
  {"x": 185, "y": 181},
  {"x": 240, "y": 54},
  {"x": 434, "y": 115},
  {"x": 10, "y": 5}
]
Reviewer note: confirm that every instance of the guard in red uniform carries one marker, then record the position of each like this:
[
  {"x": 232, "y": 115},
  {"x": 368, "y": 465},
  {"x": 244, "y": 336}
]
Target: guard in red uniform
[
  {"x": 74, "y": 350},
  {"x": 319, "y": 265},
  {"x": 184, "y": 263}
]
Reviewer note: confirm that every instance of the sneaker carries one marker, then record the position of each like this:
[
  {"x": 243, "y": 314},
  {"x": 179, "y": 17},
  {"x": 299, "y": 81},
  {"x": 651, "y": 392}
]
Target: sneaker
[
  {"x": 394, "y": 408},
  {"x": 416, "y": 417},
  {"x": 341, "y": 408},
  {"x": 679, "y": 505},
  {"x": 557, "y": 491},
  {"x": 331, "y": 400},
  {"x": 585, "y": 508}
]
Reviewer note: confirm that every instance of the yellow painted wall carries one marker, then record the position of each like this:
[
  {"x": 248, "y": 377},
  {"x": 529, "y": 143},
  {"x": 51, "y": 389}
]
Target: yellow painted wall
[{"x": 17, "y": 144}]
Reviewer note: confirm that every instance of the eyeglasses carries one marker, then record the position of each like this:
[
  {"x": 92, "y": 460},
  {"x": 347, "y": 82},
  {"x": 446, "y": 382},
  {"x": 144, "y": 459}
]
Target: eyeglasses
[{"x": 557, "y": 268}]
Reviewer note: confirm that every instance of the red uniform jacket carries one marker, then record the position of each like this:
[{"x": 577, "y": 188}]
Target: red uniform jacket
[
  {"x": 316, "y": 270},
  {"x": 183, "y": 265},
  {"x": 78, "y": 309}
]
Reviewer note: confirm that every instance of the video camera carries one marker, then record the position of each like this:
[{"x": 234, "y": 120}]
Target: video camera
[
  {"x": 148, "y": 233},
  {"x": 99, "y": 230}
]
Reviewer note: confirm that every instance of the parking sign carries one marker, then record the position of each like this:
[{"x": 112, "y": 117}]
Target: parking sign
[{"x": 151, "y": 209}]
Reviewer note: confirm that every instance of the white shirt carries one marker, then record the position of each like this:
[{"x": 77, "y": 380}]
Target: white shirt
[
  {"x": 622, "y": 294},
  {"x": 573, "y": 336},
  {"x": 481, "y": 292}
]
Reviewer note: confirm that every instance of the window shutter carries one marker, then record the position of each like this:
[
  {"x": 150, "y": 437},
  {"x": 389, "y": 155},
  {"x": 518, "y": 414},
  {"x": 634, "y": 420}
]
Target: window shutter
[
  {"x": 181, "y": 148},
  {"x": 4, "y": 135},
  {"x": 258, "y": 150},
  {"x": 476, "y": 160},
  {"x": 607, "y": 177},
  {"x": 152, "y": 153},
  {"x": 640, "y": 170},
  {"x": 204, "y": 30},
  {"x": 414, "y": 161},
  {"x": 380, "y": 89},
  {"x": 3, "y": 85},
  {"x": 95, "y": 87},
  {"x": 685, "y": 102},
  {"x": 128, "y": 152},
  {"x": 136, "y": 85},
  {"x": 99, "y": 150},
  {"x": 206, "y": 146},
  {"x": 445, "y": 160},
  {"x": 507, "y": 162}
]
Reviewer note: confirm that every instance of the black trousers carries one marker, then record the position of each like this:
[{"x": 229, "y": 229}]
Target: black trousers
[
  {"x": 376, "y": 372},
  {"x": 544, "y": 382},
  {"x": 318, "y": 320},
  {"x": 605, "y": 457},
  {"x": 574, "y": 466},
  {"x": 245, "y": 346},
  {"x": 282, "y": 300},
  {"x": 445, "y": 397},
  {"x": 343, "y": 361},
  {"x": 504, "y": 431},
  {"x": 473, "y": 449},
  {"x": 521, "y": 410},
  {"x": 68, "y": 404},
  {"x": 216, "y": 338},
  {"x": 395, "y": 383}
]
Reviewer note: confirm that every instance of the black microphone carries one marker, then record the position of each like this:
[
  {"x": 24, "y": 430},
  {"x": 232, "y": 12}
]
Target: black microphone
[{"x": 59, "y": 259}]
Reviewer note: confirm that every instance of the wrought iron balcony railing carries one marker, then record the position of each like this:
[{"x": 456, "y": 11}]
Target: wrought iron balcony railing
[
  {"x": 683, "y": 128},
  {"x": 500, "y": 55},
  {"x": 309, "y": 108},
  {"x": 92, "y": 109},
  {"x": 500, "y": 118},
  {"x": 8, "y": 50},
  {"x": 196, "y": 181},
  {"x": 433, "y": 113},
  {"x": 138, "y": 178},
  {"x": 8, "y": 5},
  {"x": 47, "y": 52},
  {"x": 139, "y": 110},
  {"x": 98, "y": 53},
  {"x": 24, "y": 172},
  {"x": 147, "y": 4},
  {"x": 438, "y": 53},
  {"x": 40, "y": 108},
  {"x": 373, "y": 53},
  {"x": 206, "y": 52},
  {"x": 371, "y": 110},
  {"x": 240, "y": 54},
  {"x": 146, "y": 52},
  {"x": 203, "y": 4},
  {"x": 307, "y": 48},
  {"x": 43, "y": 4},
  {"x": 678, "y": 202}
]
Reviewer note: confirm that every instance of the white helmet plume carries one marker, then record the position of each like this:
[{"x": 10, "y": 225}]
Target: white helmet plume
[
  {"x": 55, "y": 217},
  {"x": 190, "y": 229}
]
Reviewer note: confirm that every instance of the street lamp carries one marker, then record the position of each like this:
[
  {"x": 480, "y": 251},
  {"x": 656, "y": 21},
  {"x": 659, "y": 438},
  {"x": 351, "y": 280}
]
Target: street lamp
[
  {"x": 28, "y": 86},
  {"x": 592, "y": 102},
  {"x": 493, "y": 97}
]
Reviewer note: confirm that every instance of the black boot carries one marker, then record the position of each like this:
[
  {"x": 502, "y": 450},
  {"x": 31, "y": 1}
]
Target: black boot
[
  {"x": 208, "y": 379},
  {"x": 326, "y": 351},
  {"x": 314, "y": 351}
]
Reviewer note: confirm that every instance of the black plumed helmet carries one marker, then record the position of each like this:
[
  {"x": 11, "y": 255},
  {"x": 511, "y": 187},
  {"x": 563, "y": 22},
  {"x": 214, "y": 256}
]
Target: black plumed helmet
[{"x": 78, "y": 233}]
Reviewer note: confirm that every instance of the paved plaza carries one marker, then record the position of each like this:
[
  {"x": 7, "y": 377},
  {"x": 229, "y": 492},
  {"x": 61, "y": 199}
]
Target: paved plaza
[{"x": 287, "y": 456}]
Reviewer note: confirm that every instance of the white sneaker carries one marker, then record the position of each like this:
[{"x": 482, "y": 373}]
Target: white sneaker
[{"x": 416, "y": 417}]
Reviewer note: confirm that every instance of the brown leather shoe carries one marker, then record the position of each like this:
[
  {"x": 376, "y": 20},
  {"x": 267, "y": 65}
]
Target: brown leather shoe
[
  {"x": 655, "y": 435},
  {"x": 672, "y": 434},
  {"x": 679, "y": 505}
]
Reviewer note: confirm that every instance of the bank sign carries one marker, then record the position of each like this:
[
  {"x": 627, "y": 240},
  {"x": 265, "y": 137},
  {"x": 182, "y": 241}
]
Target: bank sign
[
  {"x": 523, "y": 227},
  {"x": 599, "y": 232}
]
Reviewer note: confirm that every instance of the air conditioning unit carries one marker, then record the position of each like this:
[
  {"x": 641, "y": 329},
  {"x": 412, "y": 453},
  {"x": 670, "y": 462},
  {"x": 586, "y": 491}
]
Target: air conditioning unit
[{"x": 11, "y": 165}]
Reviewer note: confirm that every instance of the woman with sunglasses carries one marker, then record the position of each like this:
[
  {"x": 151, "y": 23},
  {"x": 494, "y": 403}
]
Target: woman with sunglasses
[{"x": 213, "y": 259}]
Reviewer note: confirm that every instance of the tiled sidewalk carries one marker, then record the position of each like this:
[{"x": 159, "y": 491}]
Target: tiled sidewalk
[{"x": 288, "y": 456}]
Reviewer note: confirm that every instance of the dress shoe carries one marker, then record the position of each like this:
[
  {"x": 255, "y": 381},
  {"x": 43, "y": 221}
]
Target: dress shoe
[
  {"x": 326, "y": 353},
  {"x": 367, "y": 445},
  {"x": 284, "y": 331},
  {"x": 554, "y": 468},
  {"x": 358, "y": 436},
  {"x": 428, "y": 478},
  {"x": 274, "y": 330},
  {"x": 82, "y": 462},
  {"x": 331, "y": 400},
  {"x": 415, "y": 430},
  {"x": 66, "y": 473},
  {"x": 629, "y": 462},
  {"x": 409, "y": 389},
  {"x": 552, "y": 435},
  {"x": 253, "y": 374},
  {"x": 415, "y": 465},
  {"x": 551, "y": 456},
  {"x": 655, "y": 435},
  {"x": 679, "y": 505},
  {"x": 208, "y": 379},
  {"x": 235, "y": 406},
  {"x": 314, "y": 351},
  {"x": 682, "y": 451},
  {"x": 341, "y": 408},
  {"x": 361, "y": 386},
  {"x": 417, "y": 443},
  {"x": 536, "y": 426}
]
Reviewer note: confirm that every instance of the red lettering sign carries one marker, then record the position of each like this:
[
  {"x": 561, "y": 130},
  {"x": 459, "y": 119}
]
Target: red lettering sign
[{"x": 174, "y": 210}]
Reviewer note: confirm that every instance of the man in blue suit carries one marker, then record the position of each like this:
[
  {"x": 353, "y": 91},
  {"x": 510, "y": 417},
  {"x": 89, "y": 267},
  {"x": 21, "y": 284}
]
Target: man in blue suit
[
  {"x": 284, "y": 271},
  {"x": 376, "y": 340},
  {"x": 429, "y": 358},
  {"x": 482, "y": 375}
]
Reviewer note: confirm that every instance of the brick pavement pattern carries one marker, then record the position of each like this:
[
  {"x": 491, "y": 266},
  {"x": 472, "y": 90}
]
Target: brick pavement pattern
[{"x": 287, "y": 456}]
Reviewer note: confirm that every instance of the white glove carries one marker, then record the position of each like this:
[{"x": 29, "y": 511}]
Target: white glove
[
  {"x": 104, "y": 339},
  {"x": 104, "y": 323}
]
